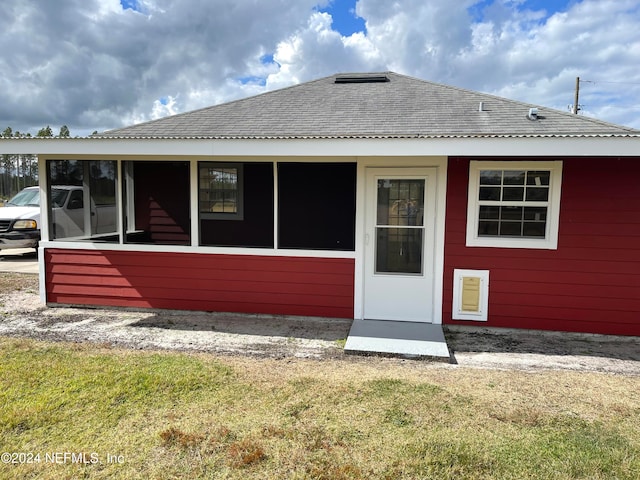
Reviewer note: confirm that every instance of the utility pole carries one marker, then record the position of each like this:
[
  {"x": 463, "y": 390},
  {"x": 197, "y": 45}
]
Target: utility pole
[{"x": 575, "y": 99}]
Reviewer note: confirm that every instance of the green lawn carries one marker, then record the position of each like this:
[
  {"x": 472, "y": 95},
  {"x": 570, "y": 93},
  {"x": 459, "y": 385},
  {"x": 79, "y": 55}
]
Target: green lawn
[{"x": 92, "y": 412}]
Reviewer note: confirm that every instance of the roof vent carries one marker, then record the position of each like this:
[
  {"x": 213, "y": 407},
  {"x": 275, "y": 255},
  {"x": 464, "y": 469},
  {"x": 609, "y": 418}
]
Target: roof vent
[
  {"x": 362, "y": 79},
  {"x": 533, "y": 114}
]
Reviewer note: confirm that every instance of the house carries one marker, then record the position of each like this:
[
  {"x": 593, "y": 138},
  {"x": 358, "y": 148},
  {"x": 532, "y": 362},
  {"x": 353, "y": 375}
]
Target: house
[{"x": 400, "y": 203}]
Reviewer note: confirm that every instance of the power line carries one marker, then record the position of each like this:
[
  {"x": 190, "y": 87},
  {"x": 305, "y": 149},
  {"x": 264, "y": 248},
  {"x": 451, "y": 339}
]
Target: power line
[
  {"x": 607, "y": 81},
  {"x": 575, "y": 108}
]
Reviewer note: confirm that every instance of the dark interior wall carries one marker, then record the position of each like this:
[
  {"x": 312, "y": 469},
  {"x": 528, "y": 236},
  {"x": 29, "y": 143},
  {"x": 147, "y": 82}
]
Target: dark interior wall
[
  {"x": 317, "y": 205},
  {"x": 162, "y": 202},
  {"x": 256, "y": 229}
]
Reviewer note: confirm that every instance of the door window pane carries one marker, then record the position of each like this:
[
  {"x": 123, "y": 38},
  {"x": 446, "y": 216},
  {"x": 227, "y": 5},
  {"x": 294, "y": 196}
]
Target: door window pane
[
  {"x": 399, "y": 250},
  {"x": 400, "y": 226},
  {"x": 400, "y": 202}
]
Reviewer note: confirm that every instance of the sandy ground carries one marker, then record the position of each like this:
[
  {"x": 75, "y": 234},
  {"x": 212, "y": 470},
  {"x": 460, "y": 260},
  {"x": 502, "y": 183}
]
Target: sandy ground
[{"x": 22, "y": 315}]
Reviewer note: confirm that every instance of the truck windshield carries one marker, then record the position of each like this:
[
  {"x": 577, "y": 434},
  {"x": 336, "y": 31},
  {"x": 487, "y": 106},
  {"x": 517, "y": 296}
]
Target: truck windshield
[
  {"x": 26, "y": 198},
  {"x": 58, "y": 196},
  {"x": 30, "y": 197}
]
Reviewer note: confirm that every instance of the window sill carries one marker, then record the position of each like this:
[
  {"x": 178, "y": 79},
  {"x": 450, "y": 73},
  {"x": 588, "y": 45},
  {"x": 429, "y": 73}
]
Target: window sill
[{"x": 528, "y": 243}]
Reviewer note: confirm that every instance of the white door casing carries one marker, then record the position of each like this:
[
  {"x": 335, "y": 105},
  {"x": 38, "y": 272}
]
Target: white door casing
[{"x": 399, "y": 250}]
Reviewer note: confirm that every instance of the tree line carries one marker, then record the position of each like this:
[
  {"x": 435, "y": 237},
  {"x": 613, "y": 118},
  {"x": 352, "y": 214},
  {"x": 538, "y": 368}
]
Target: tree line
[{"x": 20, "y": 170}]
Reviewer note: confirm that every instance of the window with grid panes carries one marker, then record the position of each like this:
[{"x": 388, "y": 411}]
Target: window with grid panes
[
  {"x": 513, "y": 204},
  {"x": 220, "y": 191}
]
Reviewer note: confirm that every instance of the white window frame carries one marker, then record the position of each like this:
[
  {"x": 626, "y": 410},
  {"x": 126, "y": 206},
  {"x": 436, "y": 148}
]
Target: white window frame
[{"x": 550, "y": 240}]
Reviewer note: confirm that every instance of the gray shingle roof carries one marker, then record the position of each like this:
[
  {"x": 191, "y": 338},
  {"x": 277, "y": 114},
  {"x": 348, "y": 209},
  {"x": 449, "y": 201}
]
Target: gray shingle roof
[{"x": 400, "y": 107}]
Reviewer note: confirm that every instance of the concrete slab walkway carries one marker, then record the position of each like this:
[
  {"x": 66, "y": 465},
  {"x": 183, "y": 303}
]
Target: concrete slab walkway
[{"x": 19, "y": 260}]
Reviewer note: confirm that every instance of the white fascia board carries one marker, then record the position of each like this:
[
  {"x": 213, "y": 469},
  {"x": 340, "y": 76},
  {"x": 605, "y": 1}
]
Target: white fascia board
[
  {"x": 534, "y": 147},
  {"x": 470, "y": 146},
  {"x": 107, "y": 147}
]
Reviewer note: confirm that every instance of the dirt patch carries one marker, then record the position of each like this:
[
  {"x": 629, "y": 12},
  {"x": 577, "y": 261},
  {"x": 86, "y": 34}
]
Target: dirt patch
[
  {"x": 531, "y": 350},
  {"x": 23, "y": 315}
]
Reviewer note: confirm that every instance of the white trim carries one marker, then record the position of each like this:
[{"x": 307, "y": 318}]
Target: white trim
[
  {"x": 438, "y": 259},
  {"x": 194, "y": 199},
  {"x": 119, "y": 198},
  {"x": 128, "y": 194},
  {"x": 358, "y": 293},
  {"x": 550, "y": 241},
  {"x": 137, "y": 247},
  {"x": 42, "y": 279},
  {"x": 44, "y": 229},
  {"x": 457, "y": 312},
  {"x": 276, "y": 206},
  {"x": 125, "y": 149}
]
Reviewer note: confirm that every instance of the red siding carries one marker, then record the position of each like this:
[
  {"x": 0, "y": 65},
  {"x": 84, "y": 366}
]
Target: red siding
[
  {"x": 188, "y": 281},
  {"x": 591, "y": 283}
]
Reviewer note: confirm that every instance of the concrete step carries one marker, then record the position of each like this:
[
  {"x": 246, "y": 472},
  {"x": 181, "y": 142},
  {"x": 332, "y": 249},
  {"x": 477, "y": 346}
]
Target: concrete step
[{"x": 413, "y": 339}]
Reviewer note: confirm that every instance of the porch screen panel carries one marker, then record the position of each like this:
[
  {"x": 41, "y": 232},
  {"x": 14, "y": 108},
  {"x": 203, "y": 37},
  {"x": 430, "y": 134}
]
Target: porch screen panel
[
  {"x": 82, "y": 200},
  {"x": 254, "y": 228},
  {"x": 317, "y": 205},
  {"x": 158, "y": 203}
]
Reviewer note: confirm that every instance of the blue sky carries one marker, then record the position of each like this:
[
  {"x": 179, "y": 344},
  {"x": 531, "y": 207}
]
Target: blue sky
[
  {"x": 111, "y": 63},
  {"x": 347, "y": 22},
  {"x": 132, "y": 4},
  {"x": 345, "y": 19}
]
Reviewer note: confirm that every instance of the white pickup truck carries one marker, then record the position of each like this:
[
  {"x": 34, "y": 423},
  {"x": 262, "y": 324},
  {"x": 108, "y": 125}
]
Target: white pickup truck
[{"x": 20, "y": 217}]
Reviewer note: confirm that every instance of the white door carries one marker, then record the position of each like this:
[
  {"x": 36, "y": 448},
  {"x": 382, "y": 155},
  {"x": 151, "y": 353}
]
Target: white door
[{"x": 399, "y": 244}]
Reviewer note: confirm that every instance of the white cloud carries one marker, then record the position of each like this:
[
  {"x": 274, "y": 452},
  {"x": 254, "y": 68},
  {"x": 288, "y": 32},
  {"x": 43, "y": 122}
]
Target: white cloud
[
  {"x": 164, "y": 106},
  {"x": 317, "y": 50},
  {"x": 412, "y": 36},
  {"x": 540, "y": 64},
  {"x": 94, "y": 66},
  {"x": 105, "y": 8}
]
